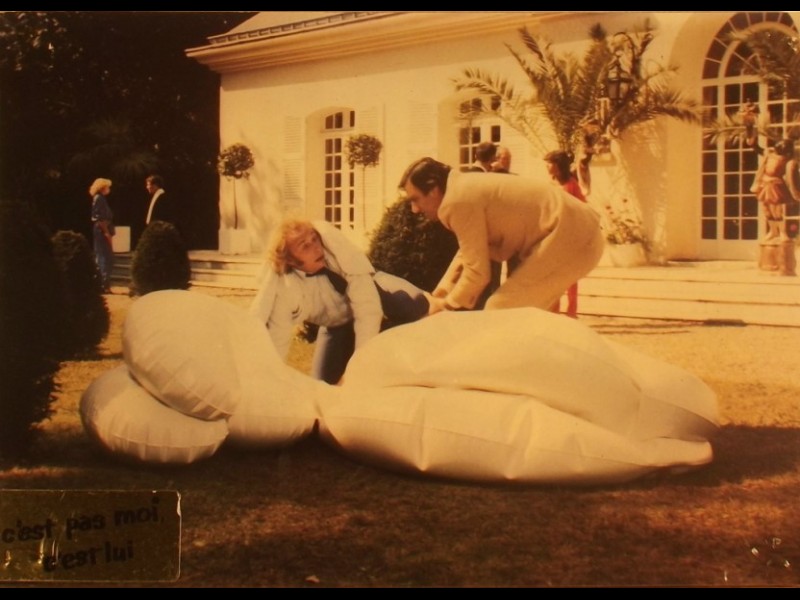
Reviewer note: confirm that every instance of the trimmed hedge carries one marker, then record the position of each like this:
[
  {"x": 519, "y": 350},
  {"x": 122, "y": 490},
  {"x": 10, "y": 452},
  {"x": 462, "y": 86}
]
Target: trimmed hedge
[
  {"x": 411, "y": 247},
  {"x": 87, "y": 318},
  {"x": 161, "y": 260},
  {"x": 32, "y": 336}
]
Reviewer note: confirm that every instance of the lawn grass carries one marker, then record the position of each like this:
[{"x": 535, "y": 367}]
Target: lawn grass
[{"x": 307, "y": 516}]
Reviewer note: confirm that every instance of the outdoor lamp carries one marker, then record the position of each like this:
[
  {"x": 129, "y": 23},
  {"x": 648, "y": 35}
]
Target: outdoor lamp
[{"x": 619, "y": 81}]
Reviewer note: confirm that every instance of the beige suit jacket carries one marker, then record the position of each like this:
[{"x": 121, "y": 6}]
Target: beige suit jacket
[{"x": 497, "y": 217}]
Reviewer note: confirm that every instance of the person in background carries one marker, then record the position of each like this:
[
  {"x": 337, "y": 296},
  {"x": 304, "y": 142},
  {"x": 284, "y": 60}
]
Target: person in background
[
  {"x": 161, "y": 206},
  {"x": 484, "y": 157},
  {"x": 314, "y": 274},
  {"x": 502, "y": 161},
  {"x": 102, "y": 230},
  {"x": 559, "y": 167},
  {"x": 549, "y": 238}
]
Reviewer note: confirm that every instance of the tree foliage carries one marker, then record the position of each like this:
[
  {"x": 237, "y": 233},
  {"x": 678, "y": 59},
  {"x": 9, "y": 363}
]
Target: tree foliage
[
  {"x": 100, "y": 93},
  {"x": 31, "y": 325},
  {"x": 161, "y": 261},
  {"x": 562, "y": 101},
  {"x": 86, "y": 316},
  {"x": 235, "y": 162},
  {"x": 363, "y": 150},
  {"x": 411, "y": 247}
]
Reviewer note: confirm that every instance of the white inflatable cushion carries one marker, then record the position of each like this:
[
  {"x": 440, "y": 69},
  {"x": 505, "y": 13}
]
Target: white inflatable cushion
[
  {"x": 285, "y": 412},
  {"x": 525, "y": 351},
  {"x": 127, "y": 420},
  {"x": 210, "y": 359},
  {"x": 486, "y": 436},
  {"x": 518, "y": 394}
]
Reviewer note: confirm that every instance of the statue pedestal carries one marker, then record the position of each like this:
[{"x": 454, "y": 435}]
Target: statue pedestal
[{"x": 778, "y": 258}]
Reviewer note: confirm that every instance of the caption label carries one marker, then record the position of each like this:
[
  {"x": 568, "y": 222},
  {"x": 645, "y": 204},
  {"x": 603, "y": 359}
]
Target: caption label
[{"x": 56, "y": 535}]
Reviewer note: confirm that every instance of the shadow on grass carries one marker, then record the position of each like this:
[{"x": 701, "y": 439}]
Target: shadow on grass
[
  {"x": 308, "y": 516},
  {"x": 740, "y": 453},
  {"x": 644, "y": 328}
]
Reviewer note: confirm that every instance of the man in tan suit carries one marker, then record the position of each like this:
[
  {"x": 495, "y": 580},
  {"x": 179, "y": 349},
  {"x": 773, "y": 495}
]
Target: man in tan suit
[{"x": 549, "y": 238}]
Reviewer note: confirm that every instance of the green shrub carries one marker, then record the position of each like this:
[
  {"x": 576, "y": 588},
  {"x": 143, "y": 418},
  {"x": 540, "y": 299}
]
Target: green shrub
[
  {"x": 411, "y": 247},
  {"x": 161, "y": 261},
  {"x": 31, "y": 333},
  {"x": 86, "y": 314}
]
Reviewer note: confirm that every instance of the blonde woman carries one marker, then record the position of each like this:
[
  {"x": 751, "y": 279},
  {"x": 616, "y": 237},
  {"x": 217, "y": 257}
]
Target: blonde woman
[{"x": 102, "y": 230}]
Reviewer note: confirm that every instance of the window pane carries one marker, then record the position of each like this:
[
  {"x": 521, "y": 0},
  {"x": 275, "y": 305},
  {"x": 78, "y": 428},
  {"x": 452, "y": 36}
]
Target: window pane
[
  {"x": 709, "y": 184},
  {"x": 732, "y": 161},
  {"x": 750, "y": 91},
  {"x": 710, "y": 95},
  {"x": 709, "y": 207},
  {"x": 749, "y": 161},
  {"x": 749, "y": 229},
  {"x": 732, "y": 94},
  {"x": 730, "y": 229},
  {"x": 709, "y": 162},
  {"x": 731, "y": 207},
  {"x": 731, "y": 184},
  {"x": 709, "y": 229}
]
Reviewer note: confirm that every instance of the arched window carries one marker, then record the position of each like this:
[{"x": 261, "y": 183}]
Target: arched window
[{"x": 729, "y": 211}]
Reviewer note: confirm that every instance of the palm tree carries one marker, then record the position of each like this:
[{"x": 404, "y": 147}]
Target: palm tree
[{"x": 570, "y": 99}]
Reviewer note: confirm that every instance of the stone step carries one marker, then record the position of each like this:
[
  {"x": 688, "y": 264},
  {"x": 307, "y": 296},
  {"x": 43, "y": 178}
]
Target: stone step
[{"x": 731, "y": 292}]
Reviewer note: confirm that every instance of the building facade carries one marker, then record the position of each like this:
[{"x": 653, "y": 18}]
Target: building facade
[{"x": 296, "y": 85}]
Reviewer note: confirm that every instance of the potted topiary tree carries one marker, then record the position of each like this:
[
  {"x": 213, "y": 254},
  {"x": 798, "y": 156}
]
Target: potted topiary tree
[
  {"x": 363, "y": 150},
  {"x": 234, "y": 162}
]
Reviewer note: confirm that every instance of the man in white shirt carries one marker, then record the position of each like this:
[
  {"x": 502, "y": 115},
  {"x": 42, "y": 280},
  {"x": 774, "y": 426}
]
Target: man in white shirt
[
  {"x": 315, "y": 274},
  {"x": 161, "y": 208}
]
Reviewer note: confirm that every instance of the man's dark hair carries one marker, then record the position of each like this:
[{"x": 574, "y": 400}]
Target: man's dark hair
[
  {"x": 485, "y": 152},
  {"x": 426, "y": 174},
  {"x": 156, "y": 180}
]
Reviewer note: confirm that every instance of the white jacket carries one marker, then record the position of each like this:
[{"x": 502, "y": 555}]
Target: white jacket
[{"x": 285, "y": 300}]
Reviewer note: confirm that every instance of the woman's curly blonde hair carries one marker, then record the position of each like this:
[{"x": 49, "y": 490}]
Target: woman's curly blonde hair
[
  {"x": 277, "y": 249},
  {"x": 99, "y": 185}
]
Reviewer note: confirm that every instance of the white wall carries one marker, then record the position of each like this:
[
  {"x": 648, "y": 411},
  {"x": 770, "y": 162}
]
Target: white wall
[{"x": 409, "y": 90}]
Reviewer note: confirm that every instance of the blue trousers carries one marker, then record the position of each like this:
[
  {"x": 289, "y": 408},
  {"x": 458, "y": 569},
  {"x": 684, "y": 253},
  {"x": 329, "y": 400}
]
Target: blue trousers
[
  {"x": 104, "y": 255},
  {"x": 402, "y": 302}
]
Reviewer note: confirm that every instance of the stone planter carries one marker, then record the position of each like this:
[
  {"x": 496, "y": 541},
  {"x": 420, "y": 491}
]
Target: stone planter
[
  {"x": 627, "y": 255},
  {"x": 121, "y": 242},
  {"x": 234, "y": 241}
]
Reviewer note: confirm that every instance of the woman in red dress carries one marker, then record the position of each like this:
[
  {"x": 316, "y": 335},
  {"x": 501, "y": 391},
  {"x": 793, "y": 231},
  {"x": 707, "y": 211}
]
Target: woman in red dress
[{"x": 559, "y": 166}]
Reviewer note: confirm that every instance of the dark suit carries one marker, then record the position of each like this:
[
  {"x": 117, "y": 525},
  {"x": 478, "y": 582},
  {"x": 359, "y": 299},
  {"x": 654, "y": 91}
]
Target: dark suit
[{"x": 164, "y": 210}]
